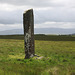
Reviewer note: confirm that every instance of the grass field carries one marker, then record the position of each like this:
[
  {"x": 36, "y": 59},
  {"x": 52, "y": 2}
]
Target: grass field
[{"x": 57, "y": 55}]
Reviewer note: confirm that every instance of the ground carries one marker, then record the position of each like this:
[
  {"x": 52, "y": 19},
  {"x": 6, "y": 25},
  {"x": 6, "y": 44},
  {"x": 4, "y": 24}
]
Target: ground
[{"x": 56, "y": 56}]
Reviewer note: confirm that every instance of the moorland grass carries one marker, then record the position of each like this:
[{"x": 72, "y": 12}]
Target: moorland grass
[{"x": 58, "y": 56}]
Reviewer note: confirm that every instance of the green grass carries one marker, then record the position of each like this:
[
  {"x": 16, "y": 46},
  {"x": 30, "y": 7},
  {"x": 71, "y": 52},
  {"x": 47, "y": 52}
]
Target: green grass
[{"x": 58, "y": 56}]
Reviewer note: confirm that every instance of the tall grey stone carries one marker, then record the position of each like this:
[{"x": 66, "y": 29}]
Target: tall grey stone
[{"x": 28, "y": 23}]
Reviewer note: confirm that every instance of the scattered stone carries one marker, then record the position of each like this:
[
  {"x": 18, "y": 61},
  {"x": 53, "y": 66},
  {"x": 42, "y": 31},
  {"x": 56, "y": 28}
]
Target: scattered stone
[{"x": 39, "y": 57}]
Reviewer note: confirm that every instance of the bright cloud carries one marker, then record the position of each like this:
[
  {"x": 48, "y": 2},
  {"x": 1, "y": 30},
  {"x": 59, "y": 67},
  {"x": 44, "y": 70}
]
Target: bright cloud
[
  {"x": 9, "y": 27},
  {"x": 64, "y": 25},
  {"x": 47, "y": 13}
]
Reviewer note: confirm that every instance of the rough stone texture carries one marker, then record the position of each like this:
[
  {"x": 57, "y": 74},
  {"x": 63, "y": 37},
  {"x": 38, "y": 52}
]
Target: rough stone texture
[{"x": 28, "y": 22}]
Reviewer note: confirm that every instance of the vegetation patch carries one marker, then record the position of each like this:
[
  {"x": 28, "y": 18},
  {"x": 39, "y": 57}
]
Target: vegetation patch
[{"x": 54, "y": 57}]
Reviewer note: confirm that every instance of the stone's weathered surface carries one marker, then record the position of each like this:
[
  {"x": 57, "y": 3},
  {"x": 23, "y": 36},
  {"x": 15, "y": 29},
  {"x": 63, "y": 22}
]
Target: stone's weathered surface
[{"x": 28, "y": 22}]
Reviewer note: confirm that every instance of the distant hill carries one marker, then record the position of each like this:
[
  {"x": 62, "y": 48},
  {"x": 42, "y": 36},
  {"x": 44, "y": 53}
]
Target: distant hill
[
  {"x": 11, "y": 32},
  {"x": 73, "y": 34},
  {"x": 54, "y": 31},
  {"x": 40, "y": 31}
]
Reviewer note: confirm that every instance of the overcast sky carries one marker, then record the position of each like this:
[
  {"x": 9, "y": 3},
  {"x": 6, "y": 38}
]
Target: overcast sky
[{"x": 47, "y": 13}]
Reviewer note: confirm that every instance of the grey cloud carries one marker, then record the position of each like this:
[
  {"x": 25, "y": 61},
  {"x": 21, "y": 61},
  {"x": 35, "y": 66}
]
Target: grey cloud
[
  {"x": 40, "y": 16},
  {"x": 10, "y": 17},
  {"x": 55, "y": 15},
  {"x": 33, "y": 3},
  {"x": 61, "y": 11}
]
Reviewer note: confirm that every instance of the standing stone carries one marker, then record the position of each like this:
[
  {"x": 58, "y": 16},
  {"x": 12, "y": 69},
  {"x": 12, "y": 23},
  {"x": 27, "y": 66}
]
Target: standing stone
[{"x": 28, "y": 22}]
